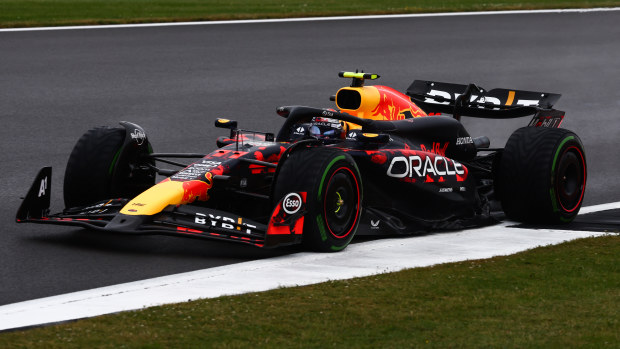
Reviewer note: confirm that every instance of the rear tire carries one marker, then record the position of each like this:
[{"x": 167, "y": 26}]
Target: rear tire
[
  {"x": 333, "y": 185},
  {"x": 99, "y": 168},
  {"x": 542, "y": 175}
]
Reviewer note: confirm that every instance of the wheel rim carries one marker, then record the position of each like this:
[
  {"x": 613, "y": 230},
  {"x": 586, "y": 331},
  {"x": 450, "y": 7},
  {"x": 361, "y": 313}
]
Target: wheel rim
[
  {"x": 341, "y": 204},
  {"x": 570, "y": 179}
]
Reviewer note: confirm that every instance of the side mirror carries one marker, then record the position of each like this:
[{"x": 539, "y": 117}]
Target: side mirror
[{"x": 225, "y": 123}]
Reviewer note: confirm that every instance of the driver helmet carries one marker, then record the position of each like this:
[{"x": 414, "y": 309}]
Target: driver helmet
[{"x": 326, "y": 128}]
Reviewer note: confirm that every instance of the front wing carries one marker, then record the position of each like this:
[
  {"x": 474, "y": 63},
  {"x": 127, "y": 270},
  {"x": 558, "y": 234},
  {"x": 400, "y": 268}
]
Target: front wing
[{"x": 283, "y": 227}]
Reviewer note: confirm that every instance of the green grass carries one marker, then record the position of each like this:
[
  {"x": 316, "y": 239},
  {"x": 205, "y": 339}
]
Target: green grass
[
  {"x": 550, "y": 297},
  {"x": 27, "y": 13}
]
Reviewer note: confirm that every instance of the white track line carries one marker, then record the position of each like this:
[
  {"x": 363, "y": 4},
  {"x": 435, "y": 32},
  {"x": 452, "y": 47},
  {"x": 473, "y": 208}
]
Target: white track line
[
  {"x": 311, "y": 19},
  {"x": 601, "y": 207},
  {"x": 363, "y": 259}
]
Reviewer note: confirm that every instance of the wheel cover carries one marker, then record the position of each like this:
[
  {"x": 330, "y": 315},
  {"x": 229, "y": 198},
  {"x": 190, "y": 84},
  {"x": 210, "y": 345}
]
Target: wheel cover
[
  {"x": 342, "y": 203},
  {"x": 570, "y": 179}
]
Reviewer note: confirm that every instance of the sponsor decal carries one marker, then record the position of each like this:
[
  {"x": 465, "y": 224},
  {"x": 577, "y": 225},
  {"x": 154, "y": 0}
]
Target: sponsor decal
[
  {"x": 292, "y": 203},
  {"x": 374, "y": 224},
  {"x": 254, "y": 143},
  {"x": 300, "y": 130},
  {"x": 207, "y": 164},
  {"x": 451, "y": 190},
  {"x": 393, "y": 106},
  {"x": 464, "y": 140},
  {"x": 197, "y": 170},
  {"x": 484, "y": 99},
  {"x": 196, "y": 189},
  {"x": 224, "y": 222},
  {"x": 138, "y": 136},
  {"x": 281, "y": 221},
  {"x": 43, "y": 187},
  {"x": 546, "y": 121},
  {"x": 98, "y": 208},
  {"x": 437, "y": 148},
  {"x": 326, "y": 122},
  {"x": 426, "y": 167},
  {"x": 327, "y": 113}
]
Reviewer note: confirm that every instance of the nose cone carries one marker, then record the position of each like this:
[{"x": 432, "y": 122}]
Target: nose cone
[{"x": 165, "y": 193}]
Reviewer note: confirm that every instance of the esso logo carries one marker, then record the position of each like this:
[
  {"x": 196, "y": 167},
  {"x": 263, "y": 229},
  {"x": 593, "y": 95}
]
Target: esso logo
[{"x": 292, "y": 203}]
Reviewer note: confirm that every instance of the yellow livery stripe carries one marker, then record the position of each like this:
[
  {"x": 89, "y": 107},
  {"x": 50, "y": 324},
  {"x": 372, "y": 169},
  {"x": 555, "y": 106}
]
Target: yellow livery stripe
[
  {"x": 511, "y": 97},
  {"x": 155, "y": 199}
]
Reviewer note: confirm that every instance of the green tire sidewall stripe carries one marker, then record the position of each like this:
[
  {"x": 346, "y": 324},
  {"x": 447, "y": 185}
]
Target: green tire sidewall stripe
[
  {"x": 334, "y": 160},
  {"x": 114, "y": 160},
  {"x": 321, "y": 225},
  {"x": 319, "y": 220},
  {"x": 338, "y": 248},
  {"x": 555, "y": 159}
]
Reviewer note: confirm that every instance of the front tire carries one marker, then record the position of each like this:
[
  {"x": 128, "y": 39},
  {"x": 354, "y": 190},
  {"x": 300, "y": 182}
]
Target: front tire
[
  {"x": 333, "y": 185},
  {"x": 542, "y": 175},
  {"x": 101, "y": 168}
]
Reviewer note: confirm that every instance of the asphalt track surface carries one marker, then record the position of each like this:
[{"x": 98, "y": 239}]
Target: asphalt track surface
[{"x": 174, "y": 81}]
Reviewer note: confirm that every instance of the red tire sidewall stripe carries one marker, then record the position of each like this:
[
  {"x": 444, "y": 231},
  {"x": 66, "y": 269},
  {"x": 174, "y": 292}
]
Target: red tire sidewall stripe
[
  {"x": 357, "y": 208},
  {"x": 583, "y": 185}
]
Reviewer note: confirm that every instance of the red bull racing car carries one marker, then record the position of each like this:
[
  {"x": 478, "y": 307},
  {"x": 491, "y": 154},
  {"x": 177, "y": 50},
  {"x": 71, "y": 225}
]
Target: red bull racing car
[{"x": 383, "y": 163}]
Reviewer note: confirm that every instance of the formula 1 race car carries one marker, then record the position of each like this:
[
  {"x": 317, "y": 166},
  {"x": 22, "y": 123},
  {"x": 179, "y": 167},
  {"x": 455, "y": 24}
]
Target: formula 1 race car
[{"x": 384, "y": 163}]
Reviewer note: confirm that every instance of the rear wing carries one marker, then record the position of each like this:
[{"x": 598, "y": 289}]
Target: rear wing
[{"x": 471, "y": 100}]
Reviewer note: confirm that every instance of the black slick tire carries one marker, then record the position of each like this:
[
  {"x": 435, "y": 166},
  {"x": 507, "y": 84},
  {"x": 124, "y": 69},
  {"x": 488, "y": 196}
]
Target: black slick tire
[
  {"x": 333, "y": 185},
  {"x": 542, "y": 175}
]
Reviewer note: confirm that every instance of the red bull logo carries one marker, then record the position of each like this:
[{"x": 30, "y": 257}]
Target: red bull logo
[
  {"x": 393, "y": 105},
  {"x": 197, "y": 189}
]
